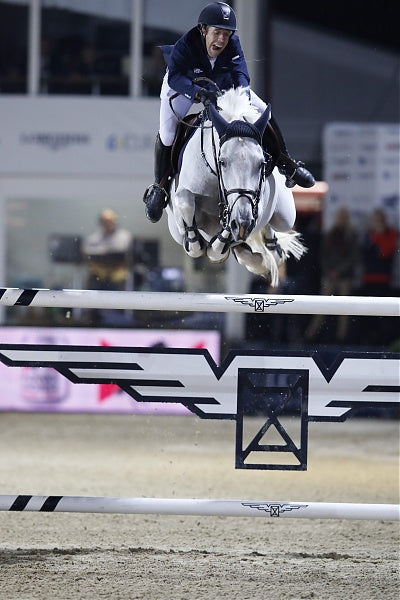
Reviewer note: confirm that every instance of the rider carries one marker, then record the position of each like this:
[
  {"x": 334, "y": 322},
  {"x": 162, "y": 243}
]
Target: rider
[{"x": 211, "y": 50}]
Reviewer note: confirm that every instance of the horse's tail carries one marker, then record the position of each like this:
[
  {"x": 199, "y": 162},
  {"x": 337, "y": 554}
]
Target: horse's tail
[{"x": 291, "y": 244}]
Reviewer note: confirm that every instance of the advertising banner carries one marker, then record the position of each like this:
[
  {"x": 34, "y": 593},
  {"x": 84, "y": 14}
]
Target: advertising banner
[
  {"x": 362, "y": 170},
  {"x": 77, "y": 136},
  {"x": 42, "y": 389}
]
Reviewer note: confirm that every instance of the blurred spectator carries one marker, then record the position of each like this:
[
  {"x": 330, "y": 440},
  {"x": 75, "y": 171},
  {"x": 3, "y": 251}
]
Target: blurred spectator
[
  {"x": 378, "y": 259},
  {"x": 339, "y": 259},
  {"x": 378, "y": 255},
  {"x": 108, "y": 254}
]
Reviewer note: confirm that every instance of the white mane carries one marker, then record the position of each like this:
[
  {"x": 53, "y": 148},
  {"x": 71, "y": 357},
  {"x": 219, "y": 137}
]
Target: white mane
[{"x": 235, "y": 105}]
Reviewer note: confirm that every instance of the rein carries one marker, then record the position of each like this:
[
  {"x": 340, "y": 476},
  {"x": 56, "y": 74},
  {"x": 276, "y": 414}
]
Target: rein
[{"x": 214, "y": 148}]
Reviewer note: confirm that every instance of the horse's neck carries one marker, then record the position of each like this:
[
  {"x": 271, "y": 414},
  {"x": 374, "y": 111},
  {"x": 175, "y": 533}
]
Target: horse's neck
[
  {"x": 198, "y": 167},
  {"x": 205, "y": 148}
]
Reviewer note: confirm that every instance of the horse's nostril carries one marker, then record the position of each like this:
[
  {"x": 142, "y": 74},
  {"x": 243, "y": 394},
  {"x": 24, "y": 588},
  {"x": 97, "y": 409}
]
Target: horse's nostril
[{"x": 234, "y": 225}]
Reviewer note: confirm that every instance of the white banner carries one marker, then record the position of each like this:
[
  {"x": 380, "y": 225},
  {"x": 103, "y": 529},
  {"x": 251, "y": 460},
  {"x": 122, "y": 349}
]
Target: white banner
[
  {"x": 362, "y": 163},
  {"x": 77, "y": 136}
]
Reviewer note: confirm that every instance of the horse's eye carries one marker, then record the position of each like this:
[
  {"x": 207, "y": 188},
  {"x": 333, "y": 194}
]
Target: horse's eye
[{"x": 222, "y": 162}]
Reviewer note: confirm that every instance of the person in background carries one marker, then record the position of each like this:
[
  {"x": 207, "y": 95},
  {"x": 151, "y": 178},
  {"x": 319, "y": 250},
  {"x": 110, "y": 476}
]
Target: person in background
[
  {"x": 108, "y": 252},
  {"x": 378, "y": 252},
  {"x": 210, "y": 50},
  {"x": 339, "y": 260}
]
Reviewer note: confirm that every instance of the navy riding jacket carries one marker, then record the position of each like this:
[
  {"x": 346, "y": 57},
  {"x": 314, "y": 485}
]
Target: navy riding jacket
[{"x": 187, "y": 59}]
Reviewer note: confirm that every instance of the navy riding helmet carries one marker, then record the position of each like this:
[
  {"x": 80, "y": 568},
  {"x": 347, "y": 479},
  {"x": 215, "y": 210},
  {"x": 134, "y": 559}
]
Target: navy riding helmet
[{"x": 218, "y": 14}]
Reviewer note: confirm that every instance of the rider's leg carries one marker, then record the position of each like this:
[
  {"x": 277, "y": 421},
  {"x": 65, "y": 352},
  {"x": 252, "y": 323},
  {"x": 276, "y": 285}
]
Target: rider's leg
[
  {"x": 156, "y": 196},
  {"x": 274, "y": 142}
]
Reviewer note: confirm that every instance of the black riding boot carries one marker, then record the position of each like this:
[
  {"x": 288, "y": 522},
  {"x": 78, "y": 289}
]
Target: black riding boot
[
  {"x": 295, "y": 172},
  {"x": 157, "y": 194}
]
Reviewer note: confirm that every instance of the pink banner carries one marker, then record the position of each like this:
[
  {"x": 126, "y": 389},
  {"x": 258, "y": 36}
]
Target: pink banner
[{"x": 42, "y": 389}]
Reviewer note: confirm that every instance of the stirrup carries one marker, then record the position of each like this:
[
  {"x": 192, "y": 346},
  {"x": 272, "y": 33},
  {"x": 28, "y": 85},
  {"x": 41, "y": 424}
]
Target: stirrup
[{"x": 284, "y": 170}]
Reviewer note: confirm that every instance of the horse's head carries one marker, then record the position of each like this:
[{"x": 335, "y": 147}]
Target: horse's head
[{"x": 241, "y": 171}]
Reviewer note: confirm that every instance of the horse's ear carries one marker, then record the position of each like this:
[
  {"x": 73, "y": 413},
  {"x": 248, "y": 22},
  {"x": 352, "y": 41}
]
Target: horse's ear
[
  {"x": 262, "y": 121},
  {"x": 217, "y": 120}
]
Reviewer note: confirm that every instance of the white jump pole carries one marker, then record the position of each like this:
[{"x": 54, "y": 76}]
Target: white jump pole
[
  {"x": 175, "y": 301},
  {"x": 200, "y": 507}
]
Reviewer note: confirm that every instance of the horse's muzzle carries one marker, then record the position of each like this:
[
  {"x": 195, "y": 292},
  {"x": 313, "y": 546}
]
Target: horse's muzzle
[{"x": 241, "y": 229}]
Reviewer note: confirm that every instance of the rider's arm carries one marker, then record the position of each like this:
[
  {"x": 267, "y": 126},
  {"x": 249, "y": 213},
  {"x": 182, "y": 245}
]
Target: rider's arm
[
  {"x": 239, "y": 71},
  {"x": 180, "y": 71}
]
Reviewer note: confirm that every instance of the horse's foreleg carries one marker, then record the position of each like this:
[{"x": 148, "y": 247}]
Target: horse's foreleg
[
  {"x": 184, "y": 211},
  {"x": 219, "y": 246},
  {"x": 193, "y": 243}
]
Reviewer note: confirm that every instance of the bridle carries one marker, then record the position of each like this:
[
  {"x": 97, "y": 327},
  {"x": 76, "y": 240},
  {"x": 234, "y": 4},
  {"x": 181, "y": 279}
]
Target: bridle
[{"x": 253, "y": 196}]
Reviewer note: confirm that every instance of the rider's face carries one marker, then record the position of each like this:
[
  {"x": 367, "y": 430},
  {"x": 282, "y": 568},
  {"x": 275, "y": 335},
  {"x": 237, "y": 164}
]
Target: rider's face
[{"x": 216, "y": 40}]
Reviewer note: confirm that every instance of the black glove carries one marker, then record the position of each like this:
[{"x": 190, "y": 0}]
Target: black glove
[{"x": 207, "y": 97}]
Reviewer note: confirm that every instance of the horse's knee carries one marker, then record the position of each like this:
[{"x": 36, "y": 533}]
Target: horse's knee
[{"x": 185, "y": 207}]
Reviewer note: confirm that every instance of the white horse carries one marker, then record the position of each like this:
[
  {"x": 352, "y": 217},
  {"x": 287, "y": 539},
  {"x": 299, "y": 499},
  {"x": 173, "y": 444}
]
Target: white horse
[{"x": 226, "y": 196}]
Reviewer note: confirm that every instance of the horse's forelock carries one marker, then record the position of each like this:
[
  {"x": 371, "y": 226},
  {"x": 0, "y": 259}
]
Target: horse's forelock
[{"x": 235, "y": 105}]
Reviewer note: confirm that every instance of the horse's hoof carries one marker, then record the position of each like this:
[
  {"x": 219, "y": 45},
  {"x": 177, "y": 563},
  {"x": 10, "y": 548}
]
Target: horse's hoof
[
  {"x": 218, "y": 250},
  {"x": 194, "y": 246},
  {"x": 194, "y": 250},
  {"x": 217, "y": 257}
]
